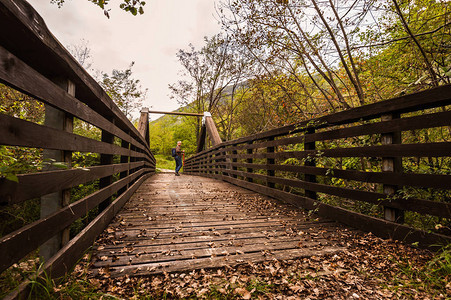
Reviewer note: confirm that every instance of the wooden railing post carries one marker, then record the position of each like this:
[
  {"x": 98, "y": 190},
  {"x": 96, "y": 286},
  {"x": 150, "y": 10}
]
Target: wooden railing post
[
  {"x": 269, "y": 162},
  {"x": 249, "y": 160},
  {"x": 50, "y": 203},
  {"x": 310, "y": 161},
  {"x": 234, "y": 160},
  {"x": 225, "y": 161},
  {"x": 212, "y": 131},
  {"x": 124, "y": 159},
  {"x": 201, "y": 139},
  {"x": 391, "y": 164},
  {"x": 209, "y": 163},
  {"x": 106, "y": 159},
  {"x": 143, "y": 125}
]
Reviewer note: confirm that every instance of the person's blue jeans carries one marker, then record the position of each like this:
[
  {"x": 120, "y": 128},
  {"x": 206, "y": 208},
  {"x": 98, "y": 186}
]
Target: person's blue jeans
[{"x": 178, "y": 163}]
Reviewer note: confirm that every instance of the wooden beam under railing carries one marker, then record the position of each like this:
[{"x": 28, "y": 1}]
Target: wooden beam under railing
[{"x": 175, "y": 113}]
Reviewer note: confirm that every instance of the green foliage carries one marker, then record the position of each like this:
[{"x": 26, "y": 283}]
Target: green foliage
[
  {"x": 165, "y": 162},
  {"x": 134, "y": 7},
  {"x": 167, "y": 130},
  {"x": 432, "y": 277}
]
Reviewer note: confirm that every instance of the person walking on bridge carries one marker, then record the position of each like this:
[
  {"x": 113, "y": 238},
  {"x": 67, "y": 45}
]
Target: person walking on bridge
[{"x": 178, "y": 157}]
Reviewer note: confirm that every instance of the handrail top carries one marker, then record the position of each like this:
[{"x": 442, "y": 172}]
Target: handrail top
[
  {"x": 29, "y": 38},
  {"x": 401, "y": 104}
]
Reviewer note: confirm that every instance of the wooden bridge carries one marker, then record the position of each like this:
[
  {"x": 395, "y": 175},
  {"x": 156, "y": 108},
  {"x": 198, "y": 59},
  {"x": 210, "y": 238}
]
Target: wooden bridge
[{"x": 269, "y": 195}]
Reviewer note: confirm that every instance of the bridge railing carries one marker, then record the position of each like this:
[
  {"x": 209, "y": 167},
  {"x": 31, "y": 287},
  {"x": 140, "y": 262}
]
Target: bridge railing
[
  {"x": 345, "y": 165},
  {"x": 33, "y": 62}
]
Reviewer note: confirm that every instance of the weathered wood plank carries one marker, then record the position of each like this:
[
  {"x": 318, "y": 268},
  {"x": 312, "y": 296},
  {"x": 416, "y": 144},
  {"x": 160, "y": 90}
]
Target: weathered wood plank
[
  {"x": 407, "y": 179},
  {"x": 17, "y": 132},
  {"x": 377, "y": 226},
  {"x": 30, "y": 40},
  {"x": 12, "y": 247},
  {"x": 140, "y": 236},
  {"x": 16, "y": 73},
  {"x": 216, "y": 262},
  {"x": 171, "y": 254},
  {"x": 38, "y": 184}
]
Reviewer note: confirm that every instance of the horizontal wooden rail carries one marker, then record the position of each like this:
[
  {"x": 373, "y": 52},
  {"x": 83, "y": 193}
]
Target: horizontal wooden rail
[
  {"x": 17, "y": 132},
  {"x": 284, "y": 158},
  {"x": 40, "y": 231},
  {"x": 34, "y": 63},
  {"x": 37, "y": 184},
  {"x": 420, "y": 180},
  {"x": 17, "y": 74},
  {"x": 68, "y": 256},
  {"x": 26, "y": 35}
]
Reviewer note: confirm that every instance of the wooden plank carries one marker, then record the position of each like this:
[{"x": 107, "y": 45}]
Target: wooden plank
[
  {"x": 436, "y": 97},
  {"x": 402, "y": 179},
  {"x": 143, "y": 124},
  {"x": 16, "y": 245},
  {"x": 209, "y": 225},
  {"x": 435, "y": 208},
  {"x": 216, "y": 262},
  {"x": 212, "y": 131},
  {"x": 22, "y": 77},
  {"x": 171, "y": 254},
  {"x": 17, "y": 132},
  {"x": 440, "y": 149},
  {"x": 308, "y": 236},
  {"x": 42, "y": 183},
  {"x": 30, "y": 40},
  {"x": 382, "y": 228},
  {"x": 411, "y": 123},
  {"x": 170, "y": 236}
]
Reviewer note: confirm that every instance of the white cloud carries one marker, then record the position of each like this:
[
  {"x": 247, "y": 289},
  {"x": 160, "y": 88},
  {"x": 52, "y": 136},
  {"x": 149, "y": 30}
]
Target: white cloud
[{"x": 151, "y": 40}]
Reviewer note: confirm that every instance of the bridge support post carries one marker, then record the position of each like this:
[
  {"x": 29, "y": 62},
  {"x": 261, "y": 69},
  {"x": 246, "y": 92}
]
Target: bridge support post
[
  {"x": 106, "y": 159},
  {"x": 201, "y": 139},
  {"x": 391, "y": 164},
  {"x": 143, "y": 125},
  {"x": 312, "y": 163},
  {"x": 50, "y": 203},
  {"x": 269, "y": 163},
  {"x": 234, "y": 160},
  {"x": 225, "y": 161},
  {"x": 124, "y": 159},
  {"x": 249, "y": 160}
]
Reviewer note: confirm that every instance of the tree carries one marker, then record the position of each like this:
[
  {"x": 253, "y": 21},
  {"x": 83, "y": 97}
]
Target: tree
[
  {"x": 124, "y": 90},
  {"x": 134, "y": 7},
  {"x": 207, "y": 73},
  {"x": 82, "y": 53}
]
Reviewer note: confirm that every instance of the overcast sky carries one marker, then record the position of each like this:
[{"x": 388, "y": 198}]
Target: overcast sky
[{"x": 151, "y": 40}]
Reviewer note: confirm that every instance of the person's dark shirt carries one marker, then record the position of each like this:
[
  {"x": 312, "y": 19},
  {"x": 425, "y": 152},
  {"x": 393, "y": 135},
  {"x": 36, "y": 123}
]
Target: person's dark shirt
[{"x": 178, "y": 150}]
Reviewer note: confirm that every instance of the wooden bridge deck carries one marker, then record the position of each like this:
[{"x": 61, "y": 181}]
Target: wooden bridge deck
[{"x": 189, "y": 222}]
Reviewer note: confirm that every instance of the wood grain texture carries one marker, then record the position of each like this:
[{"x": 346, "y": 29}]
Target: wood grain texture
[
  {"x": 22, "y": 77},
  {"x": 13, "y": 247},
  {"x": 177, "y": 223},
  {"x": 17, "y": 132},
  {"x": 28, "y": 37},
  {"x": 42, "y": 183}
]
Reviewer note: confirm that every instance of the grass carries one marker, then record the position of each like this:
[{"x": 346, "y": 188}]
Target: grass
[
  {"x": 433, "y": 277},
  {"x": 165, "y": 162}
]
